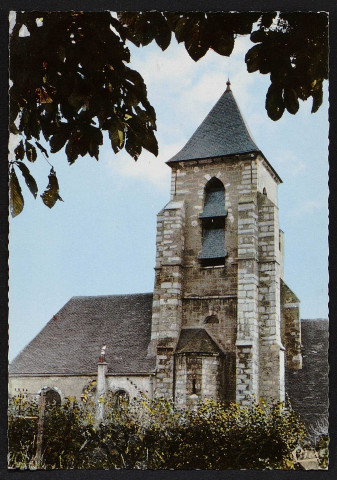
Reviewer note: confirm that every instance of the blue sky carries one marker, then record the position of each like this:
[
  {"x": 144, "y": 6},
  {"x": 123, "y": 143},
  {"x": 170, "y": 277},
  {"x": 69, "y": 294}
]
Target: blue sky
[{"x": 101, "y": 239}]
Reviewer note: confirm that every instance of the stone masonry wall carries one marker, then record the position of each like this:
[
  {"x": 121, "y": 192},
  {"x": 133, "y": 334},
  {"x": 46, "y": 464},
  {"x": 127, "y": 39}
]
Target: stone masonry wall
[
  {"x": 74, "y": 385},
  {"x": 180, "y": 380},
  {"x": 247, "y": 371},
  {"x": 211, "y": 381},
  {"x": 196, "y": 310},
  {"x": 272, "y": 386},
  {"x": 291, "y": 327},
  {"x": 191, "y": 179},
  {"x": 167, "y": 295},
  {"x": 164, "y": 386},
  {"x": 167, "y": 303},
  {"x": 266, "y": 180}
]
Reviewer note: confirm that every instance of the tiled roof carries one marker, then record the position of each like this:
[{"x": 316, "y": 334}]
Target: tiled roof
[
  {"x": 308, "y": 388},
  {"x": 223, "y": 132},
  {"x": 196, "y": 340},
  {"x": 71, "y": 342}
]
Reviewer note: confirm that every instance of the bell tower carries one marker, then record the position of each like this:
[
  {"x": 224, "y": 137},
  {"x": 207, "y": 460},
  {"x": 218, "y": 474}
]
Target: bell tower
[{"x": 217, "y": 324}]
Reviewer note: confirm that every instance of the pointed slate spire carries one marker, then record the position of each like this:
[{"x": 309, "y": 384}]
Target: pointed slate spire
[{"x": 223, "y": 132}]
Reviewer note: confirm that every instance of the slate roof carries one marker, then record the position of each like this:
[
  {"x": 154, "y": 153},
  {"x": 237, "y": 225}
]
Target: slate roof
[
  {"x": 71, "y": 342},
  {"x": 308, "y": 388},
  {"x": 196, "y": 340},
  {"x": 223, "y": 132}
]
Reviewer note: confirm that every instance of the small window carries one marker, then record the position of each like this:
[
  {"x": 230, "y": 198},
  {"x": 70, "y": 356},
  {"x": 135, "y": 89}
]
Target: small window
[
  {"x": 52, "y": 398},
  {"x": 213, "y": 223},
  {"x": 121, "y": 397},
  {"x": 194, "y": 386},
  {"x": 212, "y": 319},
  {"x": 214, "y": 204},
  {"x": 264, "y": 191}
]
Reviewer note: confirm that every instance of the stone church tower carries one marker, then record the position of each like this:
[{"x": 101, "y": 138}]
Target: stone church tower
[{"x": 224, "y": 324}]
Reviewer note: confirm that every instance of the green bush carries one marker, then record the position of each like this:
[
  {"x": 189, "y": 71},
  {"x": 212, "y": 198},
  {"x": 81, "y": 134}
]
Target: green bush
[
  {"x": 22, "y": 430},
  {"x": 220, "y": 437},
  {"x": 155, "y": 434},
  {"x": 69, "y": 435}
]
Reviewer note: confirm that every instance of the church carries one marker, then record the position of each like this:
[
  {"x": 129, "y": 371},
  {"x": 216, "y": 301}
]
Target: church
[{"x": 221, "y": 322}]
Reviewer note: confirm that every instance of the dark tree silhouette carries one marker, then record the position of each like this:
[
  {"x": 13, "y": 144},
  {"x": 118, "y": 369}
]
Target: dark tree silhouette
[{"x": 70, "y": 79}]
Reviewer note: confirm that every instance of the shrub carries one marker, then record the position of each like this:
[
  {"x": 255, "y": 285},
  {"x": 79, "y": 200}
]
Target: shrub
[
  {"x": 68, "y": 429},
  {"x": 22, "y": 430},
  {"x": 318, "y": 437},
  {"x": 221, "y": 437},
  {"x": 156, "y": 434}
]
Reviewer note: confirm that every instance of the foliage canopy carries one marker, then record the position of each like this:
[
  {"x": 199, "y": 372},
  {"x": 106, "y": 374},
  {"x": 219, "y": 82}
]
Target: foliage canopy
[
  {"x": 147, "y": 434},
  {"x": 70, "y": 79}
]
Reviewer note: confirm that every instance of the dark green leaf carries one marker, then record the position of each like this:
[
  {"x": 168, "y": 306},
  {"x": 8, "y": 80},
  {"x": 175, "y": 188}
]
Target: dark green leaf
[
  {"x": 51, "y": 194},
  {"x": 13, "y": 128},
  {"x": 274, "y": 102},
  {"x": 317, "y": 99},
  {"x": 267, "y": 19},
  {"x": 58, "y": 141},
  {"x": 19, "y": 151},
  {"x": 150, "y": 142},
  {"x": 132, "y": 145},
  {"x": 30, "y": 181},
  {"x": 258, "y": 36},
  {"x": 72, "y": 150},
  {"x": 196, "y": 40},
  {"x": 43, "y": 150},
  {"x": 223, "y": 44},
  {"x": 163, "y": 37},
  {"x": 16, "y": 198},
  {"x": 291, "y": 100},
  {"x": 196, "y": 50},
  {"x": 181, "y": 29},
  {"x": 253, "y": 58},
  {"x": 116, "y": 136},
  {"x": 30, "y": 152}
]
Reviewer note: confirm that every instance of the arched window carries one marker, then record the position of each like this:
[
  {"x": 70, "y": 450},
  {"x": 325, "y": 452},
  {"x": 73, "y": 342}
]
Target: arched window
[
  {"x": 213, "y": 223},
  {"x": 121, "y": 397},
  {"x": 212, "y": 319},
  {"x": 264, "y": 191},
  {"x": 52, "y": 397}
]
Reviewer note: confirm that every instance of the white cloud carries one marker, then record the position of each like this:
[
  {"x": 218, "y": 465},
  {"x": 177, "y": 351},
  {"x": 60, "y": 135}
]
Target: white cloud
[
  {"x": 289, "y": 163},
  {"x": 159, "y": 67},
  {"x": 195, "y": 85},
  {"x": 308, "y": 207},
  {"x": 147, "y": 167}
]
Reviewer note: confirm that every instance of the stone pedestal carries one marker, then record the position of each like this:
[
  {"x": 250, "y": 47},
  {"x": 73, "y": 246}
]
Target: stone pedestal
[{"x": 101, "y": 389}]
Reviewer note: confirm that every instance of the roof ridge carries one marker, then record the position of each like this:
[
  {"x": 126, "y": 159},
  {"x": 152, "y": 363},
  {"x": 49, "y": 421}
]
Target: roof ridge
[{"x": 112, "y": 295}]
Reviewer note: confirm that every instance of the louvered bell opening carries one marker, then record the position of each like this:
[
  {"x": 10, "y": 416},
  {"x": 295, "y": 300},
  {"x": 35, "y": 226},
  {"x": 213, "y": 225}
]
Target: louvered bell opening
[
  {"x": 213, "y": 246},
  {"x": 214, "y": 204}
]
